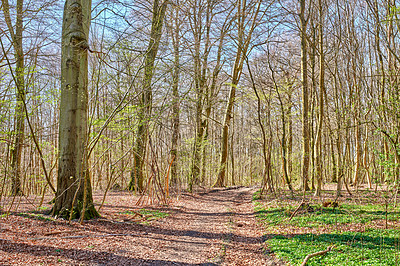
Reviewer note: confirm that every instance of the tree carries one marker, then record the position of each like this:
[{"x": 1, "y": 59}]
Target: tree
[
  {"x": 306, "y": 126},
  {"x": 243, "y": 41},
  {"x": 19, "y": 124},
  {"x": 200, "y": 62},
  {"x": 175, "y": 92},
  {"x": 137, "y": 174},
  {"x": 74, "y": 193},
  {"x": 318, "y": 143}
]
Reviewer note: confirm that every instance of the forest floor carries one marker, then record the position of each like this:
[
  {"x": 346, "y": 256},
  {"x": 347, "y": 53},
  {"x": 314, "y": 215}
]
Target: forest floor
[
  {"x": 361, "y": 228},
  {"x": 210, "y": 227}
]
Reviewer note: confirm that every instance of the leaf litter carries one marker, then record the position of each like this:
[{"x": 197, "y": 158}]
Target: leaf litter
[{"x": 210, "y": 227}]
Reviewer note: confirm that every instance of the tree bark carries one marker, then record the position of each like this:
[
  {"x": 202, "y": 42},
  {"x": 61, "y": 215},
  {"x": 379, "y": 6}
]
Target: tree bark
[
  {"x": 306, "y": 126},
  {"x": 202, "y": 90},
  {"x": 74, "y": 192},
  {"x": 175, "y": 98},
  {"x": 210, "y": 95},
  {"x": 137, "y": 174},
  {"x": 243, "y": 43},
  {"x": 321, "y": 101},
  {"x": 19, "y": 122}
]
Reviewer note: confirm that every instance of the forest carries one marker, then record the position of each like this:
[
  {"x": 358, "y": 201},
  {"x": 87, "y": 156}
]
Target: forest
[{"x": 235, "y": 126}]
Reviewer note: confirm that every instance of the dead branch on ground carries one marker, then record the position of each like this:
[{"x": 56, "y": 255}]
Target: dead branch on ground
[{"x": 319, "y": 253}]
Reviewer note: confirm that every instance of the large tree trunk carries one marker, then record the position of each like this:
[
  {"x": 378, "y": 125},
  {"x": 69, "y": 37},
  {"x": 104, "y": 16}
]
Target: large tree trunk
[
  {"x": 19, "y": 122},
  {"x": 137, "y": 174},
  {"x": 74, "y": 192}
]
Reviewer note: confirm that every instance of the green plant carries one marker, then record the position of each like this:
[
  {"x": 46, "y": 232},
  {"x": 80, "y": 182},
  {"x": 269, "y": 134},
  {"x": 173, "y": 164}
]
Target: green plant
[
  {"x": 373, "y": 247},
  {"x": 349, "y": 227},
  {"x": 35, "y": 216},
  {"x": 149, "y": 214},
  {"x": 256, "y": 195},
  {"x": 345, "y": 214}
]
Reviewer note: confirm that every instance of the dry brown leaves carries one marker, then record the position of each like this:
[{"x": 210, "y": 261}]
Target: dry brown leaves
[{"x": 209, "y": 228}]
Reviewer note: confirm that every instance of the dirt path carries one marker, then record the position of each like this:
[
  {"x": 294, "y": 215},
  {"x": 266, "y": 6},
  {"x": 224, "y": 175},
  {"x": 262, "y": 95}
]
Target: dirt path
[{"x": 213, "y": 228}]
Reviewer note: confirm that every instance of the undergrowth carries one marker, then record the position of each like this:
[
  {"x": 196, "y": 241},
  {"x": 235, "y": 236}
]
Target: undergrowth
[
  {"x": 149, "y": 214},
  {"x": 372, "y": 247},
  {"x": 36, "y": 216},
  {"x": 351, "y": 228},
  {"x": 345, "y": 214}
]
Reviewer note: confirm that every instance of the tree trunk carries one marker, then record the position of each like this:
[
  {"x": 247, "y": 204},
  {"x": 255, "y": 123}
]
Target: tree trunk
[
  {"x": 137, "y": 174},
  {"x": 290, "y": 133},
  {"x": 210, "y": 96},
  {"x": 357, "y": 165},
  {"x": 321, "y": 101},
  {"x": 200, "y": 71},
  {"x": 225, "y": 132},
  {"x": 243, "y": 42},
  {"x": 266, "y": 180},
  {"x": 306, "y": 127},
  {"x": 176, "y": 100},
  {"x": 19, "y": 122},
  {"x": 74, "y": 193}
]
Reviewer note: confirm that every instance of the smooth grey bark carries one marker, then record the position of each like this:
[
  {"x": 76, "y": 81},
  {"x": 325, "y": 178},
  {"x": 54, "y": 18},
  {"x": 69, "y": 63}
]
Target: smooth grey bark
[{"x": 74, "y": 193}]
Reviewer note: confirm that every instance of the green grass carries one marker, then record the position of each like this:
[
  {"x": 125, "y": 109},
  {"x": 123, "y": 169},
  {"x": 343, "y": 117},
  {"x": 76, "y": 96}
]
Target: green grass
[
  {"x": 153, "y": 214},
  {"x": 372, "y": 247},
  {"x": 344, "y": 214},
  {"x": 35, "y": 216},
  {"x": 256, "y": 195},
  {"x": 150, "y": 214}
]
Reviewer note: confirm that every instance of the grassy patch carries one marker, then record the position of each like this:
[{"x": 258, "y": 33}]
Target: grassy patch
[
  {"x": 35, "y": 216},
  {"x": 149, "y": 214},
  {"x": 344, "y": 214},
  {"x": 375, "y": 247},
  {"x": 257, "y": 195},
  {"x": 153, "y": 214},
  {"x": 350, "y": 227}
]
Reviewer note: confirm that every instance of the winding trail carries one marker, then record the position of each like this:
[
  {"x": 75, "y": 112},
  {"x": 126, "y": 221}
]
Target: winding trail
[{"x": 213, "y": 228}]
